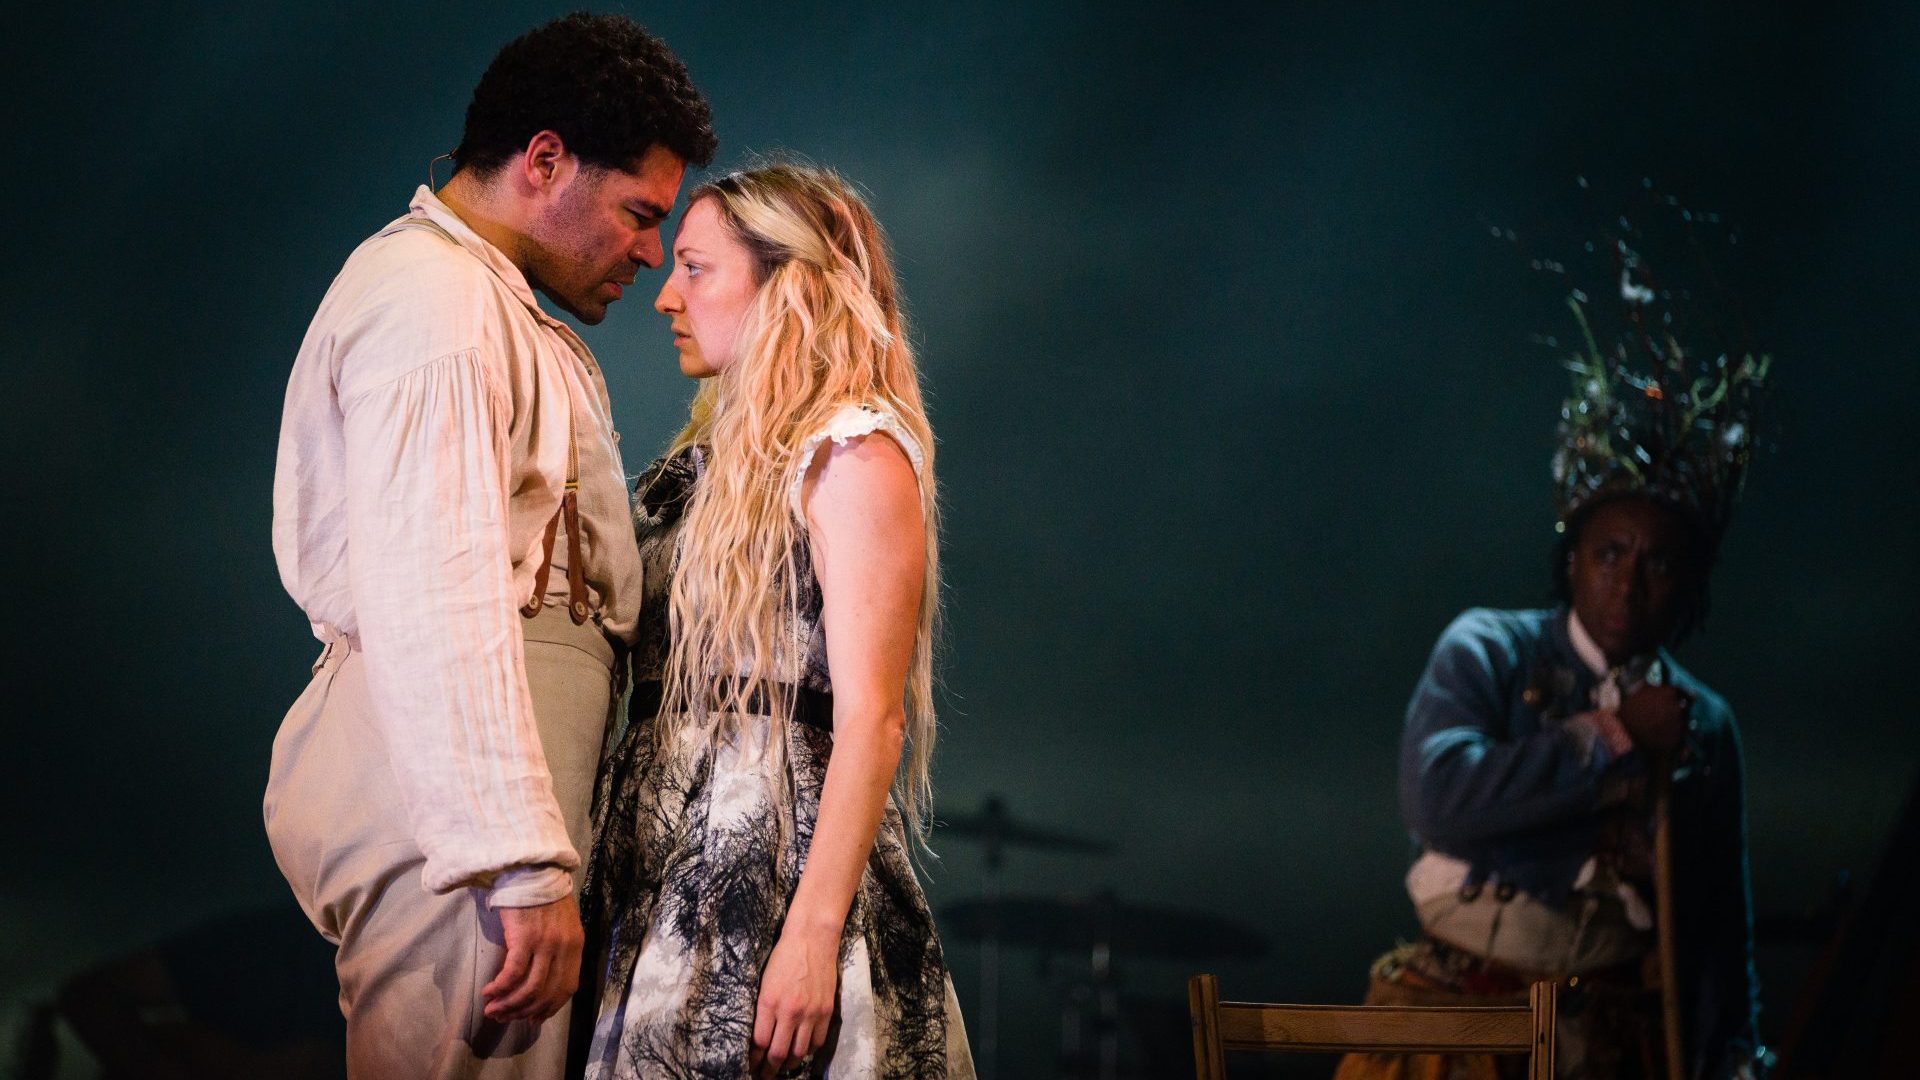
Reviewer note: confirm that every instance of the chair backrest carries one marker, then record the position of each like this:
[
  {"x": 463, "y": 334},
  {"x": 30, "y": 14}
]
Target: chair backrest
[{"x": 1219, "y": 1026}]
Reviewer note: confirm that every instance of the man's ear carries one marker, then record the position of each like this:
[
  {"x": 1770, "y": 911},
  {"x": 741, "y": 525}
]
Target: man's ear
[{"x": 546, "y": 162}]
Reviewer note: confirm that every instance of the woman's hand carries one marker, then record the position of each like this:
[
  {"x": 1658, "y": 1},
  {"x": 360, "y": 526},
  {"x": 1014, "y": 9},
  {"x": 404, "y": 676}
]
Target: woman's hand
[{"x": 797, "y": 992}]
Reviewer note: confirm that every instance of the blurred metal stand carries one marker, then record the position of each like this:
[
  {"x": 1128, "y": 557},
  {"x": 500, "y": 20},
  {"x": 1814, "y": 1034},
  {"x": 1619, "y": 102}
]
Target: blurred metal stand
[
  {"x": 1094, "y": 1003},
  {"x": 996, "y": 830},
  {"x": 1104, "y": 929}
]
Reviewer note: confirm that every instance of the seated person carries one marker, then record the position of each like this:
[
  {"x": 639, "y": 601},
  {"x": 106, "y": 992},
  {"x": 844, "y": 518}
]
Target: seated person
[{"x": 1526, "y": 761}]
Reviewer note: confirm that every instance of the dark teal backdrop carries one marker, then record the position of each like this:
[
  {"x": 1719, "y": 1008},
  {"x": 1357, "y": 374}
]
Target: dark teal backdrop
[{"x": 1235, "y": 397}]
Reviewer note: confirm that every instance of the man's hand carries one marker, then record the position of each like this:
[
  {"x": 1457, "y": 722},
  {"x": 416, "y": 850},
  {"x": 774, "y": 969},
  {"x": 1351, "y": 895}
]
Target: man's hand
[
  {"x": 795, "y": 1005},
  {"x": 1656, "y": 718},
  {"x": 542, "y": 968}
]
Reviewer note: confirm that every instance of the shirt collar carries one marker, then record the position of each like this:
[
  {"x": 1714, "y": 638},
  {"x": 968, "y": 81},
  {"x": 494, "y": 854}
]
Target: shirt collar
[
  {"x": 1586, "y": 648},
  {"x": 1632, "y": 673},
  {"x": 428, "y": 207}
]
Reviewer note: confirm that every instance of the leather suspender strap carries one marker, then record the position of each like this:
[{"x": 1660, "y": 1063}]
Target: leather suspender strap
[
  {"x": 532, "y": 606},
  {"x": 568, "y": 514}
]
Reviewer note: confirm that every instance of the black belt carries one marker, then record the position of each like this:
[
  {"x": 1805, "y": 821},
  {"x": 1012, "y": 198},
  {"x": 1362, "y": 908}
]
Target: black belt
[{"x": 813, "y": 708}]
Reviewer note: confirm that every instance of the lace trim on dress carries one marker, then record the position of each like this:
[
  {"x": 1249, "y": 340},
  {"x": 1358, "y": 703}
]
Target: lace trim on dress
[{"x": 850, "y": 422}]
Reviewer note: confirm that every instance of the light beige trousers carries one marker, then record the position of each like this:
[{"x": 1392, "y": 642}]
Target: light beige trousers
[{"x": 411, "y": 963}]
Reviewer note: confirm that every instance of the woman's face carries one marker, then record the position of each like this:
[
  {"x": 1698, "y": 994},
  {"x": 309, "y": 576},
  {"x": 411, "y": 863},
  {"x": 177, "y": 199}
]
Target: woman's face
[{"x": 707, "y": 294}]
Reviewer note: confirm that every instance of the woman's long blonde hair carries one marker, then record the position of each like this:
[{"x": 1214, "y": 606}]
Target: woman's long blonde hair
[{"x": 823, "y": 331}]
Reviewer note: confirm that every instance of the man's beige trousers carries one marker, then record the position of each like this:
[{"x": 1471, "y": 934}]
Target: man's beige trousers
[{"x": 411, "y": 964}]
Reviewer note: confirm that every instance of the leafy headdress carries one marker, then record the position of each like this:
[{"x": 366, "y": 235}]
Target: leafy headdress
[{"x": 1652, "y": 415}]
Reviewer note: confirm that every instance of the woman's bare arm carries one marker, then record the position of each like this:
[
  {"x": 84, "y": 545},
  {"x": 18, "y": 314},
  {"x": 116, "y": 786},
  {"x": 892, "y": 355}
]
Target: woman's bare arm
[{"x": 868, "y": 537}]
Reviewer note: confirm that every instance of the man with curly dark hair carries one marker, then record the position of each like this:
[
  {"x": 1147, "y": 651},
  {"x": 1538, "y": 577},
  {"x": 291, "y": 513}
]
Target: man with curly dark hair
[{"x": 429, "y": 792}]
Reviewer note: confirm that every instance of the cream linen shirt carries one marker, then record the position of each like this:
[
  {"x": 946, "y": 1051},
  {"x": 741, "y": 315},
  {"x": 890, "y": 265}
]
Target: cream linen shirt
[{"x": 423, "y": 449}]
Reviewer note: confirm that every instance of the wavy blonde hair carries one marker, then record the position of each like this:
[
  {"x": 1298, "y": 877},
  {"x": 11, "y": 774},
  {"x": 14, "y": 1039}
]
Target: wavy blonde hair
[{"x": 823, "y": 331}]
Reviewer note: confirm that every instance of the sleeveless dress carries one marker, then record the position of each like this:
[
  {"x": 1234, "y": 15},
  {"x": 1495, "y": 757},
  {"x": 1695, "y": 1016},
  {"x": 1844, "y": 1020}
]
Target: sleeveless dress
[{"x": 698, "y": 848}]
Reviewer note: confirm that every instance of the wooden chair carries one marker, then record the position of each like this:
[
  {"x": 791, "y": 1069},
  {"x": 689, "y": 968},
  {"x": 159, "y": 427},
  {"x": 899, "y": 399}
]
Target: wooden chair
[{"x": 1219, "y": 1026}]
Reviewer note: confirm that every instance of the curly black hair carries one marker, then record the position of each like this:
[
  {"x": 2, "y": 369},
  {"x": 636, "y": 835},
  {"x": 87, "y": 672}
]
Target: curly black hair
[
  {"x": 1699, "y": 556},
  {"x": 606, "y": 86}
]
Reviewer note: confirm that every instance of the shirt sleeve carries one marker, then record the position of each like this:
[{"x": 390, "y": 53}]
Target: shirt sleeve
[
  {"x": 427, "y": 467},
  {"x": 1463, "y": 776}
]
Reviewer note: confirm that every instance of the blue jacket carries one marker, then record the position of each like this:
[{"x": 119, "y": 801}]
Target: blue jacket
[{"x": 1489, "y": 776}]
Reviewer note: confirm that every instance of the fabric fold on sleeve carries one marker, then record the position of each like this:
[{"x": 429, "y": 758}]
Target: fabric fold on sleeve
[{"x": 428, "y": 461}]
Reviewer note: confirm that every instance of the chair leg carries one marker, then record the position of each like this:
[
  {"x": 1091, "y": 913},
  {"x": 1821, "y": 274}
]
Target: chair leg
[
  {"x": 1545, "y": 999},
  {"x": 1203, "y": 1003}
]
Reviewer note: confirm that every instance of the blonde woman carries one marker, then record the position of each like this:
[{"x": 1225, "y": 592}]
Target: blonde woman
[{"x": 750, "y": 899}]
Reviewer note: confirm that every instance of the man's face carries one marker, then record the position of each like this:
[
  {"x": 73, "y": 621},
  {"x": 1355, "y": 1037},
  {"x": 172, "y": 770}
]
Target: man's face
[
  {"x": 597, "y": 228},
  {"x": 1628, "y": 571}
]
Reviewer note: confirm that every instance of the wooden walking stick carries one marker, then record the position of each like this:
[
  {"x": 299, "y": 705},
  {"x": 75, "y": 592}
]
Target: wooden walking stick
[{"x": 1662, "y": 765}]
